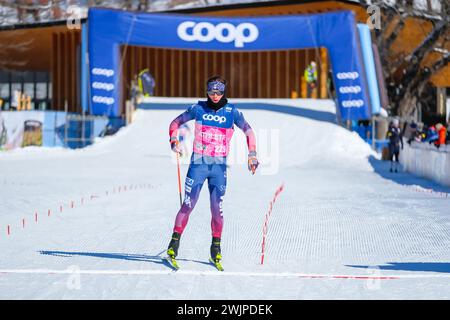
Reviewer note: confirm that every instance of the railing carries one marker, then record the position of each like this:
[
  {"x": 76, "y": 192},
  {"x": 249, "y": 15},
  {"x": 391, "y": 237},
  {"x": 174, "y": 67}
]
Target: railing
[
  {"x": 425, "y": 160},
  {"x": 79, "y": 131},
  {"x": 430, "y": 146}
]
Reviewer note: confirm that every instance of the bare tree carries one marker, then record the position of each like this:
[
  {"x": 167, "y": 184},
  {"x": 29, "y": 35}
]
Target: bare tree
[
  {"x": 143, "y": 5},
  {"x": 10, "y": 48},
  {"x": 407, "y": 71},
  {"x": 34, "y": 10}
]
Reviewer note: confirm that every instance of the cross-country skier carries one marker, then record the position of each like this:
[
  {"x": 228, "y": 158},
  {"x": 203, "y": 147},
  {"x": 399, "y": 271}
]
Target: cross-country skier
[
  {"x": 395, "y": 137},
  {"x": 214, "y": 127}
]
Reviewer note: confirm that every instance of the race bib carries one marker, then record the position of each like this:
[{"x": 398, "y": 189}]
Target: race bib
[{"x": 212, "y": 141}]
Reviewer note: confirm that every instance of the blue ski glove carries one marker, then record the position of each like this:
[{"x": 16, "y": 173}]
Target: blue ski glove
[{"x": 252, "y": 162}]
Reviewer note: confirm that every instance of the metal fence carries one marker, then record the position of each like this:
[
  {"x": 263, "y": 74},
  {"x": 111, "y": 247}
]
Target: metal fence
[{"x": 79, "y": 130}]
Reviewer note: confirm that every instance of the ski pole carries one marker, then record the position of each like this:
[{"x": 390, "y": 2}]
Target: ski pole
[{"x": 179, "y": 178}]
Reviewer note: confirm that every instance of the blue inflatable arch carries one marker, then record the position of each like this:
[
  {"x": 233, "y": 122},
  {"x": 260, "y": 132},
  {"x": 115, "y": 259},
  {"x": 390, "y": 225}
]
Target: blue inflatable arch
[{"x": 109, "y": 29}]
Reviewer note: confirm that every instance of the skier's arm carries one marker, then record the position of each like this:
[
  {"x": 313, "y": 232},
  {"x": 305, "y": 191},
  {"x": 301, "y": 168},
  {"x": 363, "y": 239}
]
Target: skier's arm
[
  {"x": 189, "y": 114},
  {"x": 242, "y": 124}
]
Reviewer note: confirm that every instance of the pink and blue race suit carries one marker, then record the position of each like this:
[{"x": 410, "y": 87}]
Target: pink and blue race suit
[{"x": 213, "y": 133}]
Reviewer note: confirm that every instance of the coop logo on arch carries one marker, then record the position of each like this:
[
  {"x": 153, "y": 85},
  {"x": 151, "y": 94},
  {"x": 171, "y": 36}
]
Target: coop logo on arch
[
  {"x": 103, "y": 100},
  {"x": 353, "y": 103},
  {"x": 103, "y": 86},
  {"x": 103, "y": 72},
  {"x": 350, "y": 89},
  {"x": 347, "y": 75},
  {"x": 223, "y": 32}
]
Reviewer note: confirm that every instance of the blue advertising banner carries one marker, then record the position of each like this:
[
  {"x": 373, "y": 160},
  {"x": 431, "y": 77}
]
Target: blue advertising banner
[{"x": 109, "y": 29}]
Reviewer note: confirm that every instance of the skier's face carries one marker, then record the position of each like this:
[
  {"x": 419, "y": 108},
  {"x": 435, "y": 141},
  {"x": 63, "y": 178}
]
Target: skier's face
[{"x": 215, "y": 96}]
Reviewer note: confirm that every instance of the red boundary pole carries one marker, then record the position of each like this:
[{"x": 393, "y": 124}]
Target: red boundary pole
[{"x": 266, "y": 221}]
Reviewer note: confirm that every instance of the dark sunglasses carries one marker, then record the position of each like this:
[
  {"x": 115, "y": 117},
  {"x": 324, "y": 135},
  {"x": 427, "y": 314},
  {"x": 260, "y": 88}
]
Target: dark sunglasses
[{"x": 211, "y": 93}]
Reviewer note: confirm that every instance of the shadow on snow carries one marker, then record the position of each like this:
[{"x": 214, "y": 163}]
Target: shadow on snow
[
  {"x": 404, "y": 178},
  {"x": 158, "y": 259},
  {"x": 443, "y": 267},
  {"x": 318, "y": 115}
]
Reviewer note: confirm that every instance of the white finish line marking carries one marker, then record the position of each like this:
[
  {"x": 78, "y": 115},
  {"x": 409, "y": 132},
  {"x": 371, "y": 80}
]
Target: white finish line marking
[{"x": 222, "y": 274}]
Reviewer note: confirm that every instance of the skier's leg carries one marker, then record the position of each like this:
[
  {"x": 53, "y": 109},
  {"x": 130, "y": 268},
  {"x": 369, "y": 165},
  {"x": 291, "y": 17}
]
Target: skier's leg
[
  {"x": 397, "y": 160},
  {"x": 391, "y": 157},
  {"x": 217, "y": 182},
  {"x": 194, "y": 180}
]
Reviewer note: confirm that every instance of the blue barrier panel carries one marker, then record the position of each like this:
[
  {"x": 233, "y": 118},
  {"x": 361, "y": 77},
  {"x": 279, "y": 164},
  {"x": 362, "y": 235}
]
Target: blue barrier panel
[
  {"x": 84, "y": 69},
  {"x": 369, "y": 64}
]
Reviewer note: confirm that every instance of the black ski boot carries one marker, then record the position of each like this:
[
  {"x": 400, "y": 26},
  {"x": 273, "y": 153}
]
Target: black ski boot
[
  {"x": 172, "y": 250},
  {"x": 215, "y": 249}
]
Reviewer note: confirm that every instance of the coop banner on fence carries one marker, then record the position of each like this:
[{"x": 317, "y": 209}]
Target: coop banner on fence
[
  {"x": 21, "y": 129},
  {"x": 110, "y": 29}
]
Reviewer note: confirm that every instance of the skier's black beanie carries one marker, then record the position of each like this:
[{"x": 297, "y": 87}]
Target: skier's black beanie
[{"x": 223, "y": 101}]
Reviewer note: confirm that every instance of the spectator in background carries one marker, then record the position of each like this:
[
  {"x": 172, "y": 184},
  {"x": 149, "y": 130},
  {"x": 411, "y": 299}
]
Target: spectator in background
[
  {"x": 410, "y": 132},
  {"x": 311, "y": 78},
  {"x": 330, "y": 84},
  {"x": 394, "y": 135},
  {"x": 419, "y": 133},
  {"x": 423, "y": 132},
  {"x": 447, "y": 140},
  {"x": 442, "y": 135},
  {"x": 146, "y": 83},
  {"x": 431, "y": 135},
  {"x": 3, "y": 132},
  {"x": 15, "y": 100},
  {"x": 134, "y": 91}
]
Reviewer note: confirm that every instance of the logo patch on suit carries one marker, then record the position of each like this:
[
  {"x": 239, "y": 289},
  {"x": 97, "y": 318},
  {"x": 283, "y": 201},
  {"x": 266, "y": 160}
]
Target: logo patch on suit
[
  {"x": 215, "y": 118},
  {"x": 189, "y": 181},
  {"x": 187, "y": 201}
]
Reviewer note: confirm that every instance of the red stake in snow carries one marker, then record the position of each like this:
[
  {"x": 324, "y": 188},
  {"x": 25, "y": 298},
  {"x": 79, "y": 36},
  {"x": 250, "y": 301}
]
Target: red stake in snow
[{"x": 266, "y": 221}]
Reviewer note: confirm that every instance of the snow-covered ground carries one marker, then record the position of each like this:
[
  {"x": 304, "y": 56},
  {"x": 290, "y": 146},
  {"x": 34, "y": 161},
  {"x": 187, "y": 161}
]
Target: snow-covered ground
[{"x": 343, "y": 228}]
